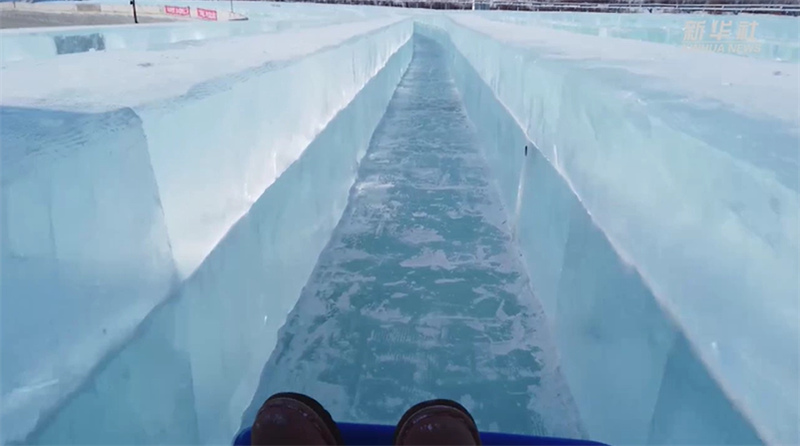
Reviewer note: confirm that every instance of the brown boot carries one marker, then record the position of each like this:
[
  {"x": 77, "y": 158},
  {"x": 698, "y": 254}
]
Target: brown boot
[
  {"x": 437, "y": 422},
  {"x": 294, "y": 419}
]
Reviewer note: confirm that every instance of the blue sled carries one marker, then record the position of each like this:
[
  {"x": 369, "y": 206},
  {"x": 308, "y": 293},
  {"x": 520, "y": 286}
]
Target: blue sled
[{"x": 375, "y": 434}]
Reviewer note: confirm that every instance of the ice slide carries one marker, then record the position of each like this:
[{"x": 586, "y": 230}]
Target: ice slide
[{"x": 401, "y": 236}]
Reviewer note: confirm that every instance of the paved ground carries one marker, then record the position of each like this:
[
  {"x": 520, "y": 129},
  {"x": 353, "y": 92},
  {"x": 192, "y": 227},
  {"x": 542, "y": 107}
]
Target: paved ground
[{"x": 29, "y": 19}]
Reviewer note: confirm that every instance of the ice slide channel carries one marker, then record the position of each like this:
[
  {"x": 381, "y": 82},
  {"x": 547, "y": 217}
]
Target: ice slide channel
[
  {"x": 193, "y": 366},
  {"x": 108, "y": 213},
  {"x": 423, "y": 291}
]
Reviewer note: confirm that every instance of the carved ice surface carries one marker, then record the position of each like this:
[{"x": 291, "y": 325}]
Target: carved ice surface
[{"x": 569, "y": 234}]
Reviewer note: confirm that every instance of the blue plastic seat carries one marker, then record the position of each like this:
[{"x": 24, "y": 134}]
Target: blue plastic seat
[{"x": 376, "y": 434}]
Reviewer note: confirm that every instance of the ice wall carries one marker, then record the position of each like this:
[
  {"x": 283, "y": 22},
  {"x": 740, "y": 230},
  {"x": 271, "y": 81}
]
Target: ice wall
[
  {"x": 653, "y": 247},
  {"x": 778, "y": 36},
  {"x": 26, "y": 44},
  {"x": 38, "y": 43},
  {"x": 17, "y": 45},
  {"x": 79, "y": 215},
  {"x": 85, "y": 252},
  {"x": 279, "y": 111}
]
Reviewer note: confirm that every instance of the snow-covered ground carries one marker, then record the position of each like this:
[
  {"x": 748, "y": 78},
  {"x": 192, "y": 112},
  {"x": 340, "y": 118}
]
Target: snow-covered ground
[{"x": 165, "y": 202}]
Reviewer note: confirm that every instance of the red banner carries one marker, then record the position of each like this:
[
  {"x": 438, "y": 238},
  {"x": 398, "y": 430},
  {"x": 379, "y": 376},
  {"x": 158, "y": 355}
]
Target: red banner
[
  {"x": 207, "y": 14},
  {"x": 177, "y": 10}
]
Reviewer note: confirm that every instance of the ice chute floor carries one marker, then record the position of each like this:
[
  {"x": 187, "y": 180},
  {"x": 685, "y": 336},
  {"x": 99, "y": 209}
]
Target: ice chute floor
[{"x": 420, "y": 292}]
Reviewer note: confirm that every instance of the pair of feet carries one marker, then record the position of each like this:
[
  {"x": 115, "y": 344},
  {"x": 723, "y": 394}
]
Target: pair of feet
[{"x": 295, "y": 419}]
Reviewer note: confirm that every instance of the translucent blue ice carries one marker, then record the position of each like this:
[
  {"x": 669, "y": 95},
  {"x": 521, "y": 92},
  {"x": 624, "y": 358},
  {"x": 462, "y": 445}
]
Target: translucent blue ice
[
  {"x": 107, "y": 215},
  {"x": 668, "y": 231},
  {"x": 778, "y": 36},
  {"x": 560, "y": 243},
  {"x": 420, "y": 293}
]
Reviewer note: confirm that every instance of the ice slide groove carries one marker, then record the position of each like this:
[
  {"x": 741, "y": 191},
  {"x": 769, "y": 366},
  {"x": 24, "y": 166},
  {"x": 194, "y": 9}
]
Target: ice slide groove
[
  {"x": 709, "y": 231},
  {"x": 633, "y": 375},
  {"x": 191, "y": 369},
  {"x": 634, "y": 378},
  {"x": 419, "y": 292}
]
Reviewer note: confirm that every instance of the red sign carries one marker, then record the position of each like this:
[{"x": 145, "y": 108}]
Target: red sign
[
  {"x": 207, "y": 14},
  {"x": 177, "y": 10}
]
